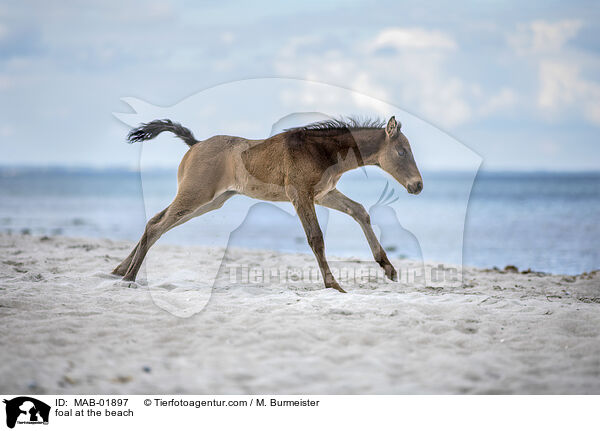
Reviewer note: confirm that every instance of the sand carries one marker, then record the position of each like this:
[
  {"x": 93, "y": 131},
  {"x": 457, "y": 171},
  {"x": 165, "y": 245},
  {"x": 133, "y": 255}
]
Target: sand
[{"x": 68, "y": 326}]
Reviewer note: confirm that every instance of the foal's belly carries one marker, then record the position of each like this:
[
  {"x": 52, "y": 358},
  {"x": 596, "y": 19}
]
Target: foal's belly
[
  {"x": 259, "y": 190},
  {"x": 271, "y": 192},
  {"x": 267, "y": 195},
  {"x": 276, "y": 193}
]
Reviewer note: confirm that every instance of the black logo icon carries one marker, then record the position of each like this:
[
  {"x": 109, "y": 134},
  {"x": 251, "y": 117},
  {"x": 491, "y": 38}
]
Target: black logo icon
[{"x": 26, "y": 410}]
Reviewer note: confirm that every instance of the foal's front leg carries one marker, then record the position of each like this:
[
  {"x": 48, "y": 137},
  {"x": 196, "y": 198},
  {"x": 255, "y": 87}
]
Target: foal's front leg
[
  {"x": 338, "y": 201},
  {"x": 305, "y": 208}
]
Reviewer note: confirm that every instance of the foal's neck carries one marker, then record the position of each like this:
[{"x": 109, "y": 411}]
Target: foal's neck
[{"x": 365, "y": 145}]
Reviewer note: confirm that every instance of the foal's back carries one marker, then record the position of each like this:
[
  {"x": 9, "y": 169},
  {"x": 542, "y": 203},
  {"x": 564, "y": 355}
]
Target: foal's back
[{"x": 251, "y": 167}]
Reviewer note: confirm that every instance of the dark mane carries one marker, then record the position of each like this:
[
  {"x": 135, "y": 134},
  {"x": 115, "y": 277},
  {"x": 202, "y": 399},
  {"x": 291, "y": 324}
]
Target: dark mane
[{"x": 350, "y": 123}]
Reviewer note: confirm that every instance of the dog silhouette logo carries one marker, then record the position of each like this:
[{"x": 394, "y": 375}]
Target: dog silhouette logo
[
  {"x": 26, "y": 410},
  {"x": 412, "y": 227}
]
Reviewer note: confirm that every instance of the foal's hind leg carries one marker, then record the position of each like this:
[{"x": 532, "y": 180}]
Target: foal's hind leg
[
  {"x": 181, "y": 210},
  {"x": 121, "y": 269},
  {"x": 338, "y": 201}
]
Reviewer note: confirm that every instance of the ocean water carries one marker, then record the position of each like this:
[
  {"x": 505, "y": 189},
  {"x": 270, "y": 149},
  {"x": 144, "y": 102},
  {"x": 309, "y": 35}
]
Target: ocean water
[{"x": 543, "y": 221}]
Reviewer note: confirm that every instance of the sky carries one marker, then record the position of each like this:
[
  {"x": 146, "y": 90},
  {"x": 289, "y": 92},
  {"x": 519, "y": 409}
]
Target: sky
[{"x": 517, "y": 82}]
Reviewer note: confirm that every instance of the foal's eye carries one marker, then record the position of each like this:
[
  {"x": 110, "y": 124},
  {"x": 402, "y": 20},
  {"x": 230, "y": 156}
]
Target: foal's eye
[{"x": 401, "y": 152}]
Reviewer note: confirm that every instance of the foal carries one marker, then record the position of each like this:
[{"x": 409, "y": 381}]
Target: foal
[{"x": 300, "y": 165}]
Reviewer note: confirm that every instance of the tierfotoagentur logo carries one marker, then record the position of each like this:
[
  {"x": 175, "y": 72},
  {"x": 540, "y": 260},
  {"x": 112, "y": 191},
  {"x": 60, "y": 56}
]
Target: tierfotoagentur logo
[
  {"x": 26, "y": 411},
  {"x": 356, "y": 273},
  {"x": 220, "y": 123}
]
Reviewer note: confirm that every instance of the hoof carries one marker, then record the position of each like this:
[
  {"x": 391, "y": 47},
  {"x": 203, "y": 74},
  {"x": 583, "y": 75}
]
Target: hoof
[
  {"x": 337, "y": 287},
  {"x": 117, "y": 272},
  {"x": 390, "y": 272}
]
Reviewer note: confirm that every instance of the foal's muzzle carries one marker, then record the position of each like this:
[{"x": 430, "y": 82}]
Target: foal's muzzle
[{"x": 415, "y": 188}]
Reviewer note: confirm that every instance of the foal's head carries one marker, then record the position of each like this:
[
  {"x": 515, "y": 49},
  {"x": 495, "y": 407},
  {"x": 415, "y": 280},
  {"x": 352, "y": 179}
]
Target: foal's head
[{"x": 396, "y": 158}]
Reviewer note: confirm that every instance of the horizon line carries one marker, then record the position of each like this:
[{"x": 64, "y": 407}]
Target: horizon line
[{"x": 158, "y": 168}]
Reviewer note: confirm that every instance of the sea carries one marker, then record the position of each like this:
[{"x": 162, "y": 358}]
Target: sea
[{"x": 542, "y": 221}]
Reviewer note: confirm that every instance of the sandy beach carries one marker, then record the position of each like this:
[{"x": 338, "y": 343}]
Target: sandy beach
[{"x": 70, "y": 327}]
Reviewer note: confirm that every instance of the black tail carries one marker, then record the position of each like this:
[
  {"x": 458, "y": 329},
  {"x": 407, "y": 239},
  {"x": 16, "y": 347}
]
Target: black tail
[{"x": 154, "y": 128}]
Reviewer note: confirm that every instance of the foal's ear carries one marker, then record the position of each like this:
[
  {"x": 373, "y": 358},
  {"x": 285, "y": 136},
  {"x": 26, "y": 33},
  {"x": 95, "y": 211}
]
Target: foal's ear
[{"x": 392, "y": 127}]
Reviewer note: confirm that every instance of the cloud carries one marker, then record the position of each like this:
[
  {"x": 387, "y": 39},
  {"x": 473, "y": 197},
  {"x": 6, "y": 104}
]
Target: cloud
[
  {"x": 5, "y": 82},
  {"x": 561, "y": 87},
  {"x": 541, "y": 36},
  {"x": 504, "y": 99},
  {"x": 549, "y": 147},
  {"x": 414, "y": 76},
  {"x": 6, "y": 130},
  {"x": 419, "y": 38},
  {"x": 559, "y": 84},
  {"x": 227, "y": 37},
  {"x": 469, "y": 73},
  {"x": 375, "y": 92},
  {"x": 428, "y": 90}
]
